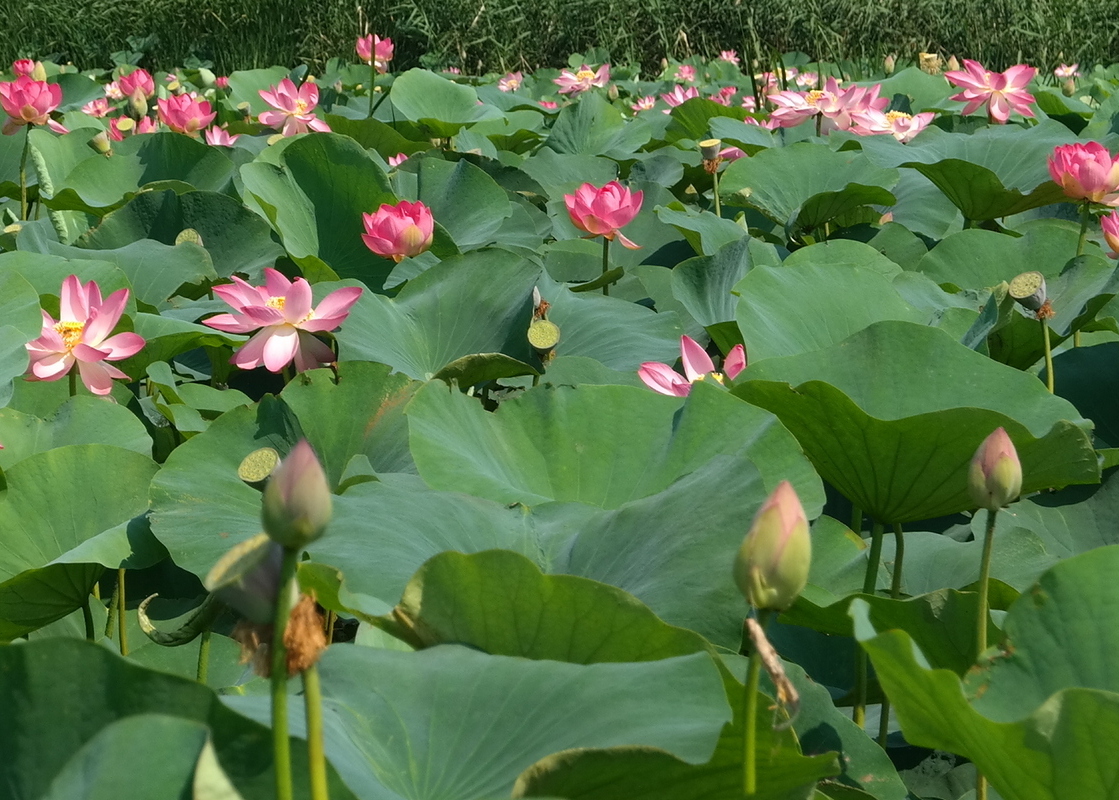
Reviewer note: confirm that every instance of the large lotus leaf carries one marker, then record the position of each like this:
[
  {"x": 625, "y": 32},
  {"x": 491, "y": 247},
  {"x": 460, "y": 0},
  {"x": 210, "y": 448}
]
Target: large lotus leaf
[
  {"x": 1089, "y": 378},
  {"x": 806, "y": 185},
  {"x": 594, "y": 127},
  {"x": 704, "y": 284},
  {"x": 705, "y": 232},
  {"x": 454, "y": 723},
  {"x": 46, "y": 273},
  {"x": 201, "y": 508},
  {"x": 11, "y": 150},
  {"x": 166, "y": 337},
  {"x": 562, "y": 173},
  {"x": 23, "y": 321},
  {"x": 13, "y": 360},
  {"x": 784, "y": 310},
  {"x": 314, "y": 198},
  {"x": 80, "y": 420},
  {"x": 599, "y": 445},
  {"x": 65, "y": 700},
  {"x": 994, "y": 172},
  {"x": 979, "y": 259},
  {"x": 1029, "y": 718},
  {"x": 910, "y": 397},
  {"x": 922, "y": 208},
  {"x": 67, "y": 513},
  {"x": 924, "y": 91},
  {"x": 237, "y": 240},
  {"x": 750, "y": 138},
  {"x": 480, "y": 302},
  {"x": 440, "y": 105},
  {"x": 843, "y": 253},
  {"x": 163, "y": 160},
  {"x": 245, "y": 86},
  {"x": 465, "y": 200},
  {"x": 619, "y": 334},
  {"x": 499, "y": 602},
  {"x": 783, "y": 773},
  {"x": 372, "y": 134},
  {"x": 693, "y": 118}
]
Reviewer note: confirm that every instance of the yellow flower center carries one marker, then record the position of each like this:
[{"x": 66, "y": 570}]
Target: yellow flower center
[
  {"x": 276, "y": 303},
  {"x": 513, "y": 83},
  {"x": 71, "y": 333},
  {"x": 813, "y": 97},
  {"x": 300, "y": 106},
  {"x": 715, "y": 376},
  {"x": 892, "y": 116},
  {"x": 585, "y": 74}
]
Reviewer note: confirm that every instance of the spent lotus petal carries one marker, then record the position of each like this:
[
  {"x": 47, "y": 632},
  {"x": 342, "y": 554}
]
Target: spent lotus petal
[{"x": 697, "y": 366}]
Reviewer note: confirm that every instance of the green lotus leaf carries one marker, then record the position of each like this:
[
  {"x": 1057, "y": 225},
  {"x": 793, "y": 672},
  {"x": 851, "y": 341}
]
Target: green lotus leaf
[
  {"x": 245, "y": 86},
  {"x": 909, "y": 396},
  {"x": 705, "y": 232},
  {"x": 593, "y": 127},
  {"x": 80, "y": 420},
  {"x": 980, "y": 259},
  {"x": 480, "y": 302},
  {"x": 54, "y": 747},
  {"x": 441, "y": 106},
  {"x": 1088, "y": 377},
  {"x": 402, "y": 725}
]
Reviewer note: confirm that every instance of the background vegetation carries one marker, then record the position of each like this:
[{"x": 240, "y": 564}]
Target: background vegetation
[{"x": 491, "y": 35}]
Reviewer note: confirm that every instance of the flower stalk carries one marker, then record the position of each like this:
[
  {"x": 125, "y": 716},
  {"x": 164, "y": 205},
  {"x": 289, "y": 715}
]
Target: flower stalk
[
  {"x": 870, "y": 582},
  {"x": 281, "y": 744},
  {"x": 750, "y": 717},
  {"x": 316, "y": 754},
  {"x": 605, "y": 264},
  {"x": 122, "y": 610}
]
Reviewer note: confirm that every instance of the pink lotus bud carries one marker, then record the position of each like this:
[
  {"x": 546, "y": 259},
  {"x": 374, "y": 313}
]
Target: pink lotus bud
[
  {"x": 139, "y": 80},
  {"x": 603, "y": 211},
  {"x": 771, "y": 568},
  {"x": 24, "y": 66},
  {"x": 995, "y": 475},
  {"x": 185, "y": 113},
  {"x": 399, "y": 231},
  {"x": 1110, "y": 226},
  {"x": 1086, "y": 172},
  {"x": 222, "y": 82},
  {"x": 889, "y": 64},
  {"x": 28, "y": 101},
  {"x": 398, "y": 159},
  {"x": 297, "y": 502}
]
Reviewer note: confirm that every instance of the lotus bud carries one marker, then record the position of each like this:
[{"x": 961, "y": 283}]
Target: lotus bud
[
  {"x": 889, "y": 64},
  {"x": 297, "y": 501},
  {"x": 771, "y": 568},
  {"x": 709, "y": 149},
  {"x": 138, "y": 104},
  {"x": 612, "y": 92},
  {"x": 995, "y": 475},
  {"x": 39, "y": 72},
  {"x": 101, "y": 144},
  {"x": 953, "y": 64},
  {"x": 1028, "y": 290},
  {"x": 1068, "y": 88},
  {"x": 929, "y": 62}
]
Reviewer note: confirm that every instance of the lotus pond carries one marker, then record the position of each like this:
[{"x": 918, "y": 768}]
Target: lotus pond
[{"x": 397, "y": 436}]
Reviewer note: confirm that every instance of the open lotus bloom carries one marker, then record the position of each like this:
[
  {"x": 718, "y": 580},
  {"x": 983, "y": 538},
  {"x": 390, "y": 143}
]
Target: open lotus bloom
[
  {"x": 511, "y": 81},
  {"x": 1086, "y": 172},
  {"x": 28, "y": 102},
  {"x": 679, "y": 95},
  {"x": 139, "y": 80},
  {"x": 602, "y": 211},
  {"x": 285, "y": 322},
  {"x": 184, "y": 113},
  {"x": 221, "y": 137},
  {"x": 1110, "y": 227},
  {"x": 294, "y": 108},
  {"x": 898, "y": 124},
  {"x": 81, "y": 336},
  {"x": 586, "y": 78},
  {"x": 697, "y": 366},
  {"x": 372, "y": 49},
  {"x": 1001, "y": 92},
  {"x": 400, "y": 231}
]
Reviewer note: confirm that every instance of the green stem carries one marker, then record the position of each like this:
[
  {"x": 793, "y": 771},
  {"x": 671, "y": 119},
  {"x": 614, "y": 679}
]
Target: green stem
[
  {"x": 316, "y": 757},
  {"x": 281, "y": 745},
  {"x": 331, "y": 618},
  {"x": 981, "y": 620},
  {"x": 856, "y": 519},
  {"x": 1049, "y": 382},
  {"x": 372, "y": 81},
  {"x": 23, "y": 174},
  {"x": 870, "y": 582},
  {"x": 715, "y": 187},
  {"x": 122, "y": 611},
  {"x": 1085, "y": 220},
  {"x": 750, "y": 717},
  {"x": 73, "y": 380},
  {"x": 111, "y": 619},
  {"x": 605, "y": 263},
  {"x": 87, "y": 615},
  {"x": 895, "y": 593},
  {"x": 203, "y": 658}
]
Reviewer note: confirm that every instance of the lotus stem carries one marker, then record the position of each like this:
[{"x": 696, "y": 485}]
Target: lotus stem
[
  {"x": 331, "y": 618},
  {"x": 749, "y": 717},
  {"x": 203, "y": 658},
  {"x": 87, "y": 615},
  {"x": 856, "y": 519},
  {"x": 870, "y": 582},
  {"x": 605, "y": 263},
  {"x": 1049, "y": 379},
  {"x": 895, "y": 593},
  {"x": 73, "y": 378},
  {"x": 122, "y": 611},
  {"x": 281, "y": 745},
  {"x": 23, "y": 174},
  {"x": 715, "y": 188},
  {"x": 1085, "y": 220},
  {"x": 372, "y": 81},
  {"x": 981, "y": 620},
  {"x": 316, "y": 756},
  {"x": 111, "y": 618}
]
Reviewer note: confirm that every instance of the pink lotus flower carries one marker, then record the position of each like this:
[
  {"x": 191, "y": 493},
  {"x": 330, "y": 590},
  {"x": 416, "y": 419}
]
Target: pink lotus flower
[
  {"x": 730, "y": 56},
  {"x": 295, "y": 108},
  {"x": 28, "y": 102},
  {"x": 1067, "y": 71},
  {"x": 372, "y": 49},
  {"x": 685, "y": 73},
  {"x": 1110, "y": 226},
  {"x": 1086, "y": 172},
  {"x": 576, "y": 82},
  {"x": 732, "y": 153},
  {"x": 697, "y": 366},
  {"x": 220, "y": 137},
  {"x": 454, "y": 71},
  {"x": 837, "y": 105},
  {"x": 900, "y": 125},
  {"x": 643, "y": 104},
  {"x": 548, "y": 104},
  {"x": 222, "y": 82},
  {"x": 81, "y": 336},
  {"x": 25, "y": 66},
  {"x": 281, "y": 313},
  {"x": 601, "y": 212},
  {"x": 510, "y": 82},
  {"x": 398, "y": 159},
  {"x": 96, "y": 108},
  {"x": 184, "y": 113},
  {"x": 139, "y": 80},
  {"x": 720, "y": 98},
  {"x": 749, "y": 103},
  {"x": 807, "y": 80},
  {"x": 1001, "y": 92},
  {"x": 113, "y": 92},
  {"x": 678, "y": 96},
  {"x": 399, "y": 231}
]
